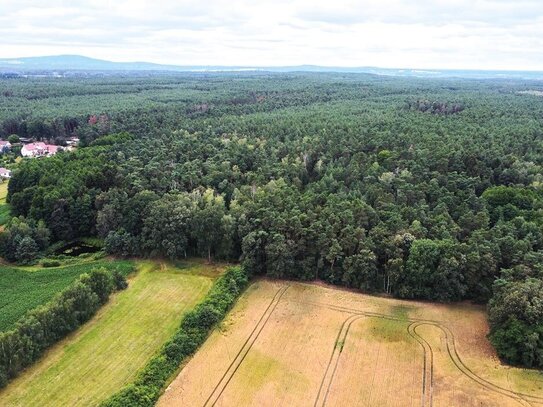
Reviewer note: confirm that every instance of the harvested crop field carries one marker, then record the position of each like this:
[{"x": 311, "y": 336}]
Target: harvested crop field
[
  {"x": 108, "y": 351},
  {"x": 296, "y": 344}
]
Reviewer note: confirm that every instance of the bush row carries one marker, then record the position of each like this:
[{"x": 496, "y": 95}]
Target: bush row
[
  {"x": 192, "y": 332},
  {"x": 46, "y": 325}
]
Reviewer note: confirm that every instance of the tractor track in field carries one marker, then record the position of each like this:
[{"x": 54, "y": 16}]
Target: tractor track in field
[
  {"x": 522, "y": 398},
  {"x": 329, "y": 374},
  {"x": 331, "y": 368},
  {"x": 427, "y": 391},
  {"x": 244, "y": 350},
  {"x": 428, "y": 366}
]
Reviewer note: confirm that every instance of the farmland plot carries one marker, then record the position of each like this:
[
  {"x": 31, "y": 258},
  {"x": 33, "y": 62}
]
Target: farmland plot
[
  {"x": 107, "y": 352},
  {"x": 25, "y": 288},
  {"x": 295, "y": 344}
]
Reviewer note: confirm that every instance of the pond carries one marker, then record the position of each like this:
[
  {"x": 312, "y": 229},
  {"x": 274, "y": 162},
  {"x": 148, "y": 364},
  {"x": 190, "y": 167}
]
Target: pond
[{"x": 77, "y": 248}]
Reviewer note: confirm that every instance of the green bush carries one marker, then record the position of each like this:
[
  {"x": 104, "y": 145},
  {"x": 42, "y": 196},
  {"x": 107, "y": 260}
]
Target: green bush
[
  {"x": 101, "y": 283},
  {"x": 51, "y": 263},
  {"x": 119, "y": 280},
  {"x": 44, "y": 326},
  {"x": 519, "y": 343},
  {"x": 192, "y": 332}
]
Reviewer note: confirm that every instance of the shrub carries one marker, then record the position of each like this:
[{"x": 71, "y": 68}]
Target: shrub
[
  {"x": 519, "y": 343},
  {"x": 119, "y": 280},
  {"x": 101, "y": 283},
  {"x": 27, "y": 250},
  {"x": 121, "y": 243},
  {"x": 51, "y": 263}
]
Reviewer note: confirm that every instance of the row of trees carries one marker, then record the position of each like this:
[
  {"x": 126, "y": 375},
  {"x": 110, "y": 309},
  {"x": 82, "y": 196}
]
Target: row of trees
[{"x": 46, "y": 325}]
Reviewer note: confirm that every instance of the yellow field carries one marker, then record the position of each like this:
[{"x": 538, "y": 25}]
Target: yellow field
[
  {"x": 107, "y": 352},
  {"x": 4, "y": 207},
  {"x": 295, "y": 344},
  {"x": 3, "y": 191}
]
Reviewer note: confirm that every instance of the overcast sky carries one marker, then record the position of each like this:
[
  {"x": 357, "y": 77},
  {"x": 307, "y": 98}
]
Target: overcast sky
[{"x": 471, "y": 34}]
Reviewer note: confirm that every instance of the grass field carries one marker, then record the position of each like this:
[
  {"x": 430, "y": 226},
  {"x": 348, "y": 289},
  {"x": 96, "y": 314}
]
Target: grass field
[
  {"x": 295, "y": 344},
  {"x": 107, "y": 352},
  {"x": 4, "y": 207},
  {"x": 26, "y": 288}
]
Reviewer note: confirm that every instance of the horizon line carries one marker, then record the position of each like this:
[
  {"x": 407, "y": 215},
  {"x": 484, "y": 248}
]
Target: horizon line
[{"x": 426, "y": 70}]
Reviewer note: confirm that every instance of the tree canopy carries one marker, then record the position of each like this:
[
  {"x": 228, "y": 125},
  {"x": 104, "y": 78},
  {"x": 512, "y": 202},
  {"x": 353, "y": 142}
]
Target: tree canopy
[{"x": 428, "y": 189}]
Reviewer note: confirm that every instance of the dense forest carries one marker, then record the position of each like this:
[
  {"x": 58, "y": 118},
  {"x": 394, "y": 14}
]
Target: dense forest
[{"x": 419, "y": 188}]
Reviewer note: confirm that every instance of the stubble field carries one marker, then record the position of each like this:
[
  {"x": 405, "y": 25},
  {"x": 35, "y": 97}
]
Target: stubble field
[{"x": 295, "y": 344}]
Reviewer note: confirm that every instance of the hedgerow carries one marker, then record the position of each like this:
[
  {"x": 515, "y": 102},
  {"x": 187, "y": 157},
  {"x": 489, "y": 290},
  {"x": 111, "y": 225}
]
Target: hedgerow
[
  {"x": 192, "y": 332},
  {"x": 47, "y": 324},
  {"x": 24, "y": 290}
]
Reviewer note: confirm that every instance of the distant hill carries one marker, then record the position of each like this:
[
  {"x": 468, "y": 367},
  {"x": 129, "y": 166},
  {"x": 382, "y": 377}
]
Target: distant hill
[
  {"x": 61, "y": 64},
  {"x": 76, "y": 62}
]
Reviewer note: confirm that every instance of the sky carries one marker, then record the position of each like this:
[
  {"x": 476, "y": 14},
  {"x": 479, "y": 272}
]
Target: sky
[{"x": 441, "y": 34}]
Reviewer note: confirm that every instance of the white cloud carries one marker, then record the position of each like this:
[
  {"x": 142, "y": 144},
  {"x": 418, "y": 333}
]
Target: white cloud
[{"x": 486, "y": 34}]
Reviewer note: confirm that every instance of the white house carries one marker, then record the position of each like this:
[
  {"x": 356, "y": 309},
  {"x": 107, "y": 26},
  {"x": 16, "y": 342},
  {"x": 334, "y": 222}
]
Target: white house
[
  {"x": 38, "y": 149},
  {"x": 5, "y": 173},
  {"x": 72, "y": 141},
  {"x": 4, "y": 146}
]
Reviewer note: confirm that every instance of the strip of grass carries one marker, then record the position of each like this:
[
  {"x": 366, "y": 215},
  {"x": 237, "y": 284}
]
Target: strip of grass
[
  {"x": 3, "y": 192},
  {"x": 191, "y": 333},
  {"x": 5, "y": 214},
  {"x": 5, "y": 211},
  {"x": 23, "y": 290},
  {"x": 106, "y": 353}
]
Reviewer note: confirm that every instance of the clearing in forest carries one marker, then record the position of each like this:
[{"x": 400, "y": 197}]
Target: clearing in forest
[
  {"x": 107, "y": 352},
  {"x": 296, "y": 344}
]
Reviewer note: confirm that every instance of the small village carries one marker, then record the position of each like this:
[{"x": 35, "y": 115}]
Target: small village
[{"x": 27, "y": 149}]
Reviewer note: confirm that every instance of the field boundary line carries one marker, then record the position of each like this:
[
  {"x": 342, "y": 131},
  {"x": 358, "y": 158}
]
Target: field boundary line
[{"x": 245, "y": 348}]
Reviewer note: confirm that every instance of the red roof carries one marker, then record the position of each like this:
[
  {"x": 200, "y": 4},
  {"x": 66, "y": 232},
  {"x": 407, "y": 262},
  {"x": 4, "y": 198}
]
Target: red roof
[{"x": 41, "y": 146}]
